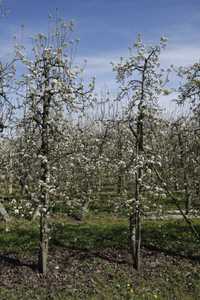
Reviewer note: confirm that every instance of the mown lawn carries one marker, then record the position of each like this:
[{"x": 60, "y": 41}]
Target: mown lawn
[{"x": 90, "y": 260}]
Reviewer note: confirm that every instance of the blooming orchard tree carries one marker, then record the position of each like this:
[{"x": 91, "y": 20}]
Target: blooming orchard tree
[
  {"x": 70, "y": 151},
  {"x": 7, "y": 108},
  {"x": 189, "y": 92},
  {"x": 51, "y": 87},
  {"x": 142, "y": 83}
]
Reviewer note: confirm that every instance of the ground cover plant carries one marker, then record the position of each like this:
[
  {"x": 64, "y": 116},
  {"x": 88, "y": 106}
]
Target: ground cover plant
[{"x": 90, "y": 260}]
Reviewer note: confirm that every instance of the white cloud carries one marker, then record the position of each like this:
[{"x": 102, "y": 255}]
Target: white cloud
[
  {"x": 99, "y": 64},
  {"x": 180, "y": 55},
  {"x": 100, "y": 67}
]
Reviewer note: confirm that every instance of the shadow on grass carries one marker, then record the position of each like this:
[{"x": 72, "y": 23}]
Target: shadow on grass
[
  {"x": 171, "y": 238},
  {"x": 19, "y": 239},
  {"x": 90, "y": 236},
  {"x": 9, "y": 260}
]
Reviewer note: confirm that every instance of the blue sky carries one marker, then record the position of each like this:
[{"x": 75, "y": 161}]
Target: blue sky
[{"x": 107, "y": 28}]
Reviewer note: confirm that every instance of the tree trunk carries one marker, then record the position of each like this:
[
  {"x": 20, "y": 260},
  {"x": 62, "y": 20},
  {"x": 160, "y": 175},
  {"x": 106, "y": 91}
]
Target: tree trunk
[
  {"x": 119, "y": 157},
  {"x": 10, "y": 179},
  {"x": 135, "y": 218},
  {"x": 135, "y": 225},
  {"x": 44, "y": 231},
  {"x": 187, "y": 204},
  {"x": 185, "y": 176},
  {"x": 187, "y": 194},
  {"x": 44, "y": 241},
  {"x": 119, "y": 183},
  {"x": 45, "y": 179}
]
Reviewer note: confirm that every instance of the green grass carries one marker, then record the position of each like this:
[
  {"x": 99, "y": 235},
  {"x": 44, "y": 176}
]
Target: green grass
[
  {"x": 100, "y": 233},
  {"x": 172, "y": 236},
  {"x": 95, "y": 278},
  {"x": 22, "y": 236},
  {"x": 94, "y": 234}
]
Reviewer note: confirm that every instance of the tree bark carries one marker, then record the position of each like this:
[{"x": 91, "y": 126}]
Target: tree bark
[
  {"x": 10, "y": 179},
  {"x": 135, "y": 218},
  {"x": 45, "y": 178}
]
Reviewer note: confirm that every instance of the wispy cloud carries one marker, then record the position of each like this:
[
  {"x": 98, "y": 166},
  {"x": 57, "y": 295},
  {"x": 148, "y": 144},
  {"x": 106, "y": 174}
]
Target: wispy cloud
[
  {"x": 181, "y": 55},
  {"x": 100, "y": 65},
  {"x": 97, "y": 65}
]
